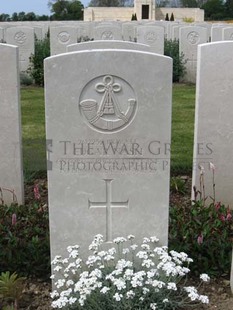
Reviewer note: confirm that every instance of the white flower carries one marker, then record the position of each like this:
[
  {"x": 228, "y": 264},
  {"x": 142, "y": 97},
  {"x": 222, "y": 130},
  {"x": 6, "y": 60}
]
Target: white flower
[
  {"x": 119, "y": 240},
  {"x": 142, "y": 255},
  {"x": 69, "y": 283},
  {"x": 130, "y": 294},
  {"x": 212, "y": 167},
  {"x": 204, "y": 299},
  {"x": 148, "y": 263},
  {"x": 130, "y": 237},
  {"x": 145, "y": 290},
  {"x": 141, "y": 298},
  {"x": 204, "y": 277},
  {"x": 153, "y": 306},
  {"x": 165, "y": 301},
  {"x": 54, "y": 294},
  {"x": 117, "y": 296},
  {"x": 172, "y": 286},
  {"x": 72, "y": 300},
  {"x": 57, "y": 268},
  {"x": 134, "y": 246},
  {"x": 145, "y": 246},
  {"x": 125, "y": 251},
  {"x": 104, "y": 290},
  {"x": 154, "y": 239},
  {"x": 146, "y": 240}
]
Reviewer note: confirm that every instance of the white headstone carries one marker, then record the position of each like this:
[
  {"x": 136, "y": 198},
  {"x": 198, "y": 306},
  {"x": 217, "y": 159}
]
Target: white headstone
[
  {"x": 104, "y": 44},
  {"x": 60, "y": 37},
  {"x": 23, "y": 37},
  {"x": 110, "y": 134},
  {"x": 152, "y": 36},
  {"x": 190, "y": 38},
  {"x": 11, "y": 169},
  {"x": 1, "y": 35},
  {"x": 227, "y": 34},
  {"x": 213, "y": 120},
  {"x": 216, "y": 33},
  {"x": 107, "y": 32},
  {"x": 213, "y": 137}
]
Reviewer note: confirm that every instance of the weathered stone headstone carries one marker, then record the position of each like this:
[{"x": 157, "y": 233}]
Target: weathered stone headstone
[
  {"x": 129, "y": 31},
  {"x": 107, "y": 32},
  {"x": 60, "y": 37},
  {"x": 110, "y": 134},
  {"x": 1, "y": 35},
  {"x": 23, "y": 37},
  {"x": 213, "y": 120},
  {"x": 11, "y": 170},
  {"x": 227, "y": 34},
  {"x": 213, "y": 137},
  {"x": 104, "y": 44},
  {"x": 216, "y": 32},
  {"x": 152, "y": 36},
  {"x": 190, "y": 38}
]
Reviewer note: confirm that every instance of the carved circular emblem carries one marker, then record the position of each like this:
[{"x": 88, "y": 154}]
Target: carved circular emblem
[
  {"x": 193, "y": 37},
  {"x": 108, "y": 104},
  {"x": 107, "y": 35},
  {"x": 150, "y": 36},
  {"x": 20, "y": 37},
  {"x": 63, "y": 37}
]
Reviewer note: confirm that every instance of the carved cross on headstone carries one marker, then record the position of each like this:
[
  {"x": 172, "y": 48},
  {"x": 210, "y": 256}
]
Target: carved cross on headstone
[{"x": 108, "y": 204}]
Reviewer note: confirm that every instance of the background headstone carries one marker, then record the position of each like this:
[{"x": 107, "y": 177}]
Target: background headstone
[
  {"x": 110, "y": 131},
  {"x": 23, "y": 37},
  {"x": 11, "y": 170},
  {"x": 99, "y": 44},
  {"x": 60, "y": 37},
  {"x": 152, "y": 36},
  {"x": 190, "y": 38}
]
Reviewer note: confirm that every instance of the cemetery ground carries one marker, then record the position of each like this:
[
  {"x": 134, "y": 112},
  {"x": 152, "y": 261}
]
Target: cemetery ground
[{"x": 36, "y": 292}]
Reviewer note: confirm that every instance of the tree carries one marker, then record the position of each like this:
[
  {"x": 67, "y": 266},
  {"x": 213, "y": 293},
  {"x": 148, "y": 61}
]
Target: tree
[
  {"x": 111, "y": 3},
  {"x": 66, "y": 9},
  {"x": 214, "y": 9},
  {"x": 15, "y": 17},
  {"x": 229, "y": 8},
  {"x": 4, "y": 17},
  {"x": 172, "y": 18}
]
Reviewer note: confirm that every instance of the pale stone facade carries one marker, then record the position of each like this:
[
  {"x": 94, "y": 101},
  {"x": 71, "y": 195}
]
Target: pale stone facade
[{"x": 144, "y": 9}]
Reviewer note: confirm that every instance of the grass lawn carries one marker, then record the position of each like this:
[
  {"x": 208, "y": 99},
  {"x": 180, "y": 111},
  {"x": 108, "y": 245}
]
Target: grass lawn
[{"x": 33, "y": 123}]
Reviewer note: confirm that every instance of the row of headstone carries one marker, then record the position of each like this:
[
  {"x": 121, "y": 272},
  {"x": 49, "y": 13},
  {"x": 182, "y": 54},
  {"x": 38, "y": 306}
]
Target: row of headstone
[{"x": 110, "y": 132}]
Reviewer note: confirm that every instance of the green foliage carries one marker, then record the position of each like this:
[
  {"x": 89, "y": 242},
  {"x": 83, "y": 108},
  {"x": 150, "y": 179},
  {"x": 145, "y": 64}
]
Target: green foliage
[
  {"x": 24, "y": 240},
  {"x": 111, "y": 3},
  {"x": 36, "y": 68},
  {"x": 214, "y": 9},
  {"x": 66, "y": 9},
  {"x": 25, "y": 79},
  {"x": 204, "y": 233},
  {"x": 172, "y": 18},
  {"x": 178, "y": 185},
  {"x": 188, "y": 20},
  {"x": 167, "y": 17},
  {"x": 171, "y": 49},
  {"x": 11, "y": 288},
  {"x": 134, "y": 17}
]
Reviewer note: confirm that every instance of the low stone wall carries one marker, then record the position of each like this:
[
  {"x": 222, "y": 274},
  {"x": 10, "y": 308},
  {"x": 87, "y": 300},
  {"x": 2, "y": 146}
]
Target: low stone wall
[
  {"x": 125, "y": 14},
  {"x": 108, "y": 13},
  {"x": 180, "y": 14}
]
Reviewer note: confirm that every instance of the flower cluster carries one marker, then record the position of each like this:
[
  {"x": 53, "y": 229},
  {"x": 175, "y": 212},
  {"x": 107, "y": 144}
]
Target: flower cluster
[{"x": 123, "y": 278}]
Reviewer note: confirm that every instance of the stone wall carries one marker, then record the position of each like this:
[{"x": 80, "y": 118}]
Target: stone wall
[
  {"x": 125, "y": 14},
  {"x": 108, "y": 13},
  {"x": 180, "y": 13}
]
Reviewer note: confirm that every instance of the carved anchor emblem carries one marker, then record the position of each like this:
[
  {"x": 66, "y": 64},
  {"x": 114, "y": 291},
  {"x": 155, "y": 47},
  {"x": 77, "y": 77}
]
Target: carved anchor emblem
[{"x": 108, "y": 115}]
